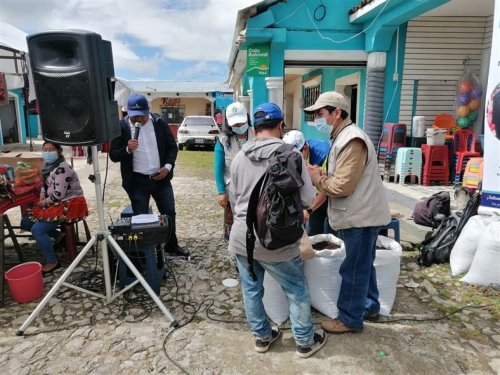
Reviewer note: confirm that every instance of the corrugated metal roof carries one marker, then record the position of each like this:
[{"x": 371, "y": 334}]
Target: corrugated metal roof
[{"x": 177, "y": 86}]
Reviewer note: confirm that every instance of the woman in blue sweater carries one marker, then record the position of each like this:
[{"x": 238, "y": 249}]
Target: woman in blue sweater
[{"x": 229, "y": 143}]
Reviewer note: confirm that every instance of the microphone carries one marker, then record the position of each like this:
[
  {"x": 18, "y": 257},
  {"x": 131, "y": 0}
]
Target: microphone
[{"x": 137, "y": 128}]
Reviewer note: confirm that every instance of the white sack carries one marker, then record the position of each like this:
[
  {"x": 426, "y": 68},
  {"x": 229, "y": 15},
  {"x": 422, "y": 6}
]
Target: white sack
[
  {"x": 274, "y": 300},
  {"x": 466, "y": 245},
  {"x": 387, "y": 266},
  {"x": 322, "y": 274},
  {"x": 485, "y": 268}
]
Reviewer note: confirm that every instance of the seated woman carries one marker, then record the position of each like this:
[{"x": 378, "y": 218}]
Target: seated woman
[{"x": 61, "y": 200}]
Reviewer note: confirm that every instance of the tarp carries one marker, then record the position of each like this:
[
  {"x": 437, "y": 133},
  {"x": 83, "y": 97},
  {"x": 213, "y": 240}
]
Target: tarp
[{"x": 13, "y": 47}]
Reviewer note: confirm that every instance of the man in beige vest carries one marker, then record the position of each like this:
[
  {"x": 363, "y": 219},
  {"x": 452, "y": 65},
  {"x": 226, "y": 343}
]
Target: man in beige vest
[{"x": 357, "y": 208}]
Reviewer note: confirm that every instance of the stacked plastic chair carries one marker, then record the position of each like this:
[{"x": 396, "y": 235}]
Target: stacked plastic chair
[
  {"x": 436, "y": 165},
  {"x": 408, "y": 163},
  {"x": 473, "y": 174},
  {"x": 464, "y": 147},
  {"x": 393, "y": 137}
]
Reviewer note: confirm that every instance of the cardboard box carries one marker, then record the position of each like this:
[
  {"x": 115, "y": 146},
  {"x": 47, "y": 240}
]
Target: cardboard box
[{"x": 13, "y": 157}]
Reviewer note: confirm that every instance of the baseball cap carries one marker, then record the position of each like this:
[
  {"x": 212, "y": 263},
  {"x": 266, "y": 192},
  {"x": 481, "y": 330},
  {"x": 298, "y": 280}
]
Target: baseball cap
[
  {"x": 236, "y": 113},
  {"x": 330, "y": 98},
  {"x": 137, "y": 105},
  {"x": 270, "y": 111},
  {"x": 295, "y": 138}
]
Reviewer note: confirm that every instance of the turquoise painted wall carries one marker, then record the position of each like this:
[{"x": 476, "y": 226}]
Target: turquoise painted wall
[
  {"x": 328, "y": 78},
  {"x": 20, "y": 114},
  {"x": 392, "y": 93}
]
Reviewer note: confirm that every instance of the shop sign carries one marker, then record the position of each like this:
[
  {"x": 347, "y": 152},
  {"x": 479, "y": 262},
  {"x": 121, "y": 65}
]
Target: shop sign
[
  {"x": 490, "y": 199},
  {"x": 258, "y": 60}
]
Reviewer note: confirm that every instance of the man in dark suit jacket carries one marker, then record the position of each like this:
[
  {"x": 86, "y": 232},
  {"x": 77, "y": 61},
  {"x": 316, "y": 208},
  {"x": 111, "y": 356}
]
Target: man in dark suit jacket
[{"x": 146, "y": 150}]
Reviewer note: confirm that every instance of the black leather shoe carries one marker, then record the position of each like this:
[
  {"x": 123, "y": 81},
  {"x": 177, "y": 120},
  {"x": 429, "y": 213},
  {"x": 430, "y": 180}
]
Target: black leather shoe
[{"x": 178, "y": 251}]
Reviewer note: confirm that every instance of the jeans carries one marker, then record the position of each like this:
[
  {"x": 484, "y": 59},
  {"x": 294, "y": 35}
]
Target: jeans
[
  {"x": 318, "y": 222},
  {"x": 162, "y": 193},
  {"x": 290, "y": 275},
  {"x": 358, "y": 291},
  {"x": 41, "y": 231}
]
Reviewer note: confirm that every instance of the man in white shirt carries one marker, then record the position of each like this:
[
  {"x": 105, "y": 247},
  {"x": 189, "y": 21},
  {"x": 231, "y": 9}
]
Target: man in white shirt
[{"x": 146, "y": 150}]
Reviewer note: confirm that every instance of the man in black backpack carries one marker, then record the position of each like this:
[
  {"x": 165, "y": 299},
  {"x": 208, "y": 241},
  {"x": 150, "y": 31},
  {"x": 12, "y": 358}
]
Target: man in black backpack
[{"x": 284, "y": 264}]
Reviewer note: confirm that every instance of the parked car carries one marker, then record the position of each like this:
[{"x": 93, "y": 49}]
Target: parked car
[{"x": 197, "y": 131}]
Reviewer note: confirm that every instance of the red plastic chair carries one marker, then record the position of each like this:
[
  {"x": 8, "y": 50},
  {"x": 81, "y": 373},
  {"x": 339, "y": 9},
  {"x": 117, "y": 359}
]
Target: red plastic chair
[
  {"x": 464, "y": 146},
  {"x": 436, "y": 167}
]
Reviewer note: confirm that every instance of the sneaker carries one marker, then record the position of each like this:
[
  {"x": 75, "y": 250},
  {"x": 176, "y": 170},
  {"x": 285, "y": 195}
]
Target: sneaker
[
  {"x": 263, "y": 346},
  {"x": 319, "y": 340}
]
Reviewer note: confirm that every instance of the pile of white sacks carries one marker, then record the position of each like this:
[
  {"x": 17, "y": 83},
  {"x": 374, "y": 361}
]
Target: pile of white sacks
[
  {"x": 321, "y": 268},
  {"x": 477, "y": 251}
]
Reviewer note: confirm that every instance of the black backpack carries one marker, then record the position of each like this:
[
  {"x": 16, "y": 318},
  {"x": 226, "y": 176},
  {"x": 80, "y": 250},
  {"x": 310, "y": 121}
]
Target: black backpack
[
  {"x": 275, "y": 209},
  {"x": 430, "y": 211},
  {"x": 436, "y": 248}
]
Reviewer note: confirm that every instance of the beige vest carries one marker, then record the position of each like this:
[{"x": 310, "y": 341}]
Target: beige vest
[{"x": 367, "y": 206}]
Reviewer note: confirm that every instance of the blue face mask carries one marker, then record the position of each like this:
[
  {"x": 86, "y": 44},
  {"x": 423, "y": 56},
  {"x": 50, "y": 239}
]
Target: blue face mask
[
  {"x": 241, "y": 129},
  {"x": 322, "y": 126},
  {"x": 50, "y": 156}
]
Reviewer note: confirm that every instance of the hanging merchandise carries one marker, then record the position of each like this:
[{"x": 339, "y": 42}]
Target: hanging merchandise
[{"x": 468, "y": 99}]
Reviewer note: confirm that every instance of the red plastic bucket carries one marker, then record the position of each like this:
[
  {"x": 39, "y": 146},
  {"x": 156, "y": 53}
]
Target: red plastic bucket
[{"x": 25, "y": 281}]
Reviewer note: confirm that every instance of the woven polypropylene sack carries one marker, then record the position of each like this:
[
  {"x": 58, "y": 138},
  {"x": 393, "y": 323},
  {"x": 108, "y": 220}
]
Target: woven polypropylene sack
[
  {"x": 387, "y": 266},
  {"x": 274, "y": 300},
  {"x": 485, "y": 267}
]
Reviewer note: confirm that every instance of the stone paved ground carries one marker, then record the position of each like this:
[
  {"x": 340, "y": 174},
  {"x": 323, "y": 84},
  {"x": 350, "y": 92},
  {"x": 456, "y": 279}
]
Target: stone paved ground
[{"x": 78, "y": 334}]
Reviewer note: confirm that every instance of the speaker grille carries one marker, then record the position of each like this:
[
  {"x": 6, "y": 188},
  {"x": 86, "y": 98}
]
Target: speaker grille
[{"x": 66, "y": 111}]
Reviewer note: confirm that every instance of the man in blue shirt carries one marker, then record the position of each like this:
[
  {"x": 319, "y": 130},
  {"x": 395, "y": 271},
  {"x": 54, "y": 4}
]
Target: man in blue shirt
[{"x": 315, "y": 152}]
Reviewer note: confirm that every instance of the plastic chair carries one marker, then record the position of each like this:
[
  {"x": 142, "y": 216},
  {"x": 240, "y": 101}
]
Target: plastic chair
[
  {"x": 473, "y": 174},
  {"x": 408, "y": 163},
  {"x": 394, "y": 225},
  {"x": 464, "y": 147},
  {"x": 436, "y": 166},
  {"x": 446, "y": 121}
]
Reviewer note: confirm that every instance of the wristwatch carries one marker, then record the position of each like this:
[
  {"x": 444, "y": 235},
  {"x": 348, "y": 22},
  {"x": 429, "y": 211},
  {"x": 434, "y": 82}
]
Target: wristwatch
[{"x": 309, "y": 211}]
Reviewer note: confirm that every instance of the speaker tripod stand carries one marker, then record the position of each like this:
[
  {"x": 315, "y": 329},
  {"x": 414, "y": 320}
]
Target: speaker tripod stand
[{"x": 103, "y": 237}]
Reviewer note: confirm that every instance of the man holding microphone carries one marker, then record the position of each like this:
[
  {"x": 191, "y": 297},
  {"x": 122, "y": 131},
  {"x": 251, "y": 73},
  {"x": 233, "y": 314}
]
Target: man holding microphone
[{"x": 146, "y": 150}]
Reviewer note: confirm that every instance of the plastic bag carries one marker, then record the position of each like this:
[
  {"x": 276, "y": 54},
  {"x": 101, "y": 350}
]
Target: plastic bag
[
  {"x": 468, "y": 99},
  {"x": 25, "y": 174}
]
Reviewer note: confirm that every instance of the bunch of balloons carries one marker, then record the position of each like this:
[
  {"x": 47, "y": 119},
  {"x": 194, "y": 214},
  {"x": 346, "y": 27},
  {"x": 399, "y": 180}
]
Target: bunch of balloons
[{"x": 468, "y": 100}]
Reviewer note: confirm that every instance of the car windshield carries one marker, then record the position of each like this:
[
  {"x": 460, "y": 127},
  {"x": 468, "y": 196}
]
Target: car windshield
[{"x": 198, "y": 121}]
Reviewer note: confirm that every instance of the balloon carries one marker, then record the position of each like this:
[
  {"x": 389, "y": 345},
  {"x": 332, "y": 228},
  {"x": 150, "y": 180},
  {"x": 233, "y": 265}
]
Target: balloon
[
  {"x": 463, "y": 122},
  {"x": 474, "y": 104},
  {"x": 463, "y": 99},
  {"x": 462, "y": 111},
  {"x": 476, "y": 92},
  {"x": 472, "y": 116},
  {"x": 464, "y": 87}
]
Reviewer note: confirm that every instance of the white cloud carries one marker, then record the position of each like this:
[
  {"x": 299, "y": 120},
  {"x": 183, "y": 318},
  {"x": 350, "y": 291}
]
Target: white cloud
[{"x": 186, "y": 30}]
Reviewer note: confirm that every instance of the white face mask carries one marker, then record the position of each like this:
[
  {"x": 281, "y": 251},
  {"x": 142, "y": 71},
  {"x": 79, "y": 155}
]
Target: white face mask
[
  {"x": 322, "y": 126},
  {"x": 240, "y": 129}
]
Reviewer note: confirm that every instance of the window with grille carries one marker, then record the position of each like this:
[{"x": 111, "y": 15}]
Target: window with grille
[
  {"x": 310, "y": 96},
  {"x": 174, "y": 114}
]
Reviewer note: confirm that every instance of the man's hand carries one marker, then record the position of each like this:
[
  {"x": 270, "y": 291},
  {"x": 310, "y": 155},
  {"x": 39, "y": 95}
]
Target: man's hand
[
  {"x": 223, "y": 201},
  {"x": 306, "y": 215},
  {"x": 40, "y": 204},
  {"x": 132, "y": 145},
  {"x": 314, "y": 170},
  {"x": 162, "y": 173}
]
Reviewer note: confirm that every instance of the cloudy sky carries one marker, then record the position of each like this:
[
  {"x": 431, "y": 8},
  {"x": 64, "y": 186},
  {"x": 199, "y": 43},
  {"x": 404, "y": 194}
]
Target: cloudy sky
[{"x": 152, "y": 39}]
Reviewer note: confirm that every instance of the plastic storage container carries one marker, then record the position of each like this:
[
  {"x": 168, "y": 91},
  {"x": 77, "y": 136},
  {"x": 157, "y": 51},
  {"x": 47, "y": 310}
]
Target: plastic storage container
[{"x": 418, "y": 126}]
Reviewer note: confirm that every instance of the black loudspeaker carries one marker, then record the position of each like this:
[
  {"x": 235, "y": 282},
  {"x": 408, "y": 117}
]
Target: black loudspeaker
[{"x": 73, "y": 76}]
